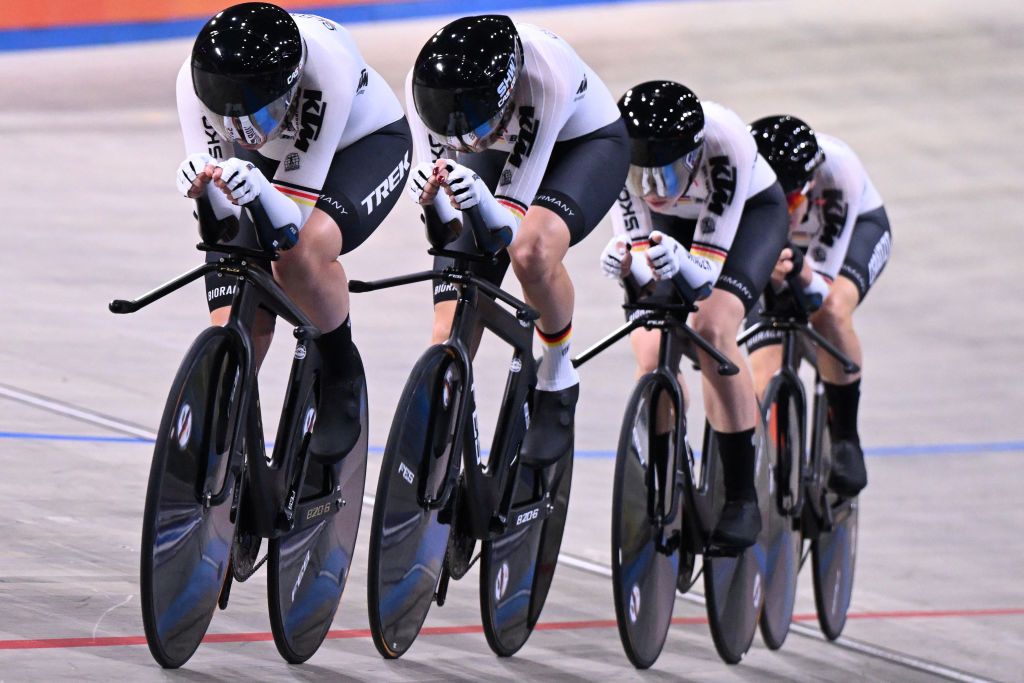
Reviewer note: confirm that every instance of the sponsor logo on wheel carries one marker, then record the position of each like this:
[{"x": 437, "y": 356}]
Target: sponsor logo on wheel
[
  {"x": 634, "y": 603},
  {"x": 184, "y": 425},
  {"x": 501, "y": 582},
  {"x": 307, "y": 423},
  {"x": 757, "y": 590}
]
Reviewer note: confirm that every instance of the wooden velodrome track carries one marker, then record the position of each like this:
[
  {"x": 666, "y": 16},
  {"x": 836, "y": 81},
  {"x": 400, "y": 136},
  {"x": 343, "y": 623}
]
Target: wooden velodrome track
[{"x": 928, "y": 93}]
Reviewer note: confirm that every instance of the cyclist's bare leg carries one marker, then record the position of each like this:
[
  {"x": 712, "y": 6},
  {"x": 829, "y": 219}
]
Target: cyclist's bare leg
[
  {"x": 835, "y": 322},
  {"x": 728, "y": 400},
  {"x": 764, "y": 363},
  {"x": 311, "y": 274},
  {"x": 537, "y": 253}
]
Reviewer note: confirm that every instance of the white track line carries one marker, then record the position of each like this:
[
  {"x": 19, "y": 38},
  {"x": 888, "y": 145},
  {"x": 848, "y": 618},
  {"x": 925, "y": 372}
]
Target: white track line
[
  {"x": 81, "y": 414},
  {"x": 579, "y": 563}
]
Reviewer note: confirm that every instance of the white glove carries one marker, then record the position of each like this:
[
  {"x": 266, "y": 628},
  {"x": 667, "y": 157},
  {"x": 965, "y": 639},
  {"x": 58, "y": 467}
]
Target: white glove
[
  {"x": 466, "y": 187},
  {"x": 419, "y": 177},
  {"x": 189, "y": 170},
  {"x": 667, "y": 257},
  {"x": 663, "y": 255},
  {"x": 244, "y": 181},
  {"x": 816, "y": 292},
  {"x": 613, "y": 256}
]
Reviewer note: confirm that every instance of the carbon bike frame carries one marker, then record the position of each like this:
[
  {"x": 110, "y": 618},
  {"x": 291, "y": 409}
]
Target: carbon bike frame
[
  {"x": 670, "y": 320},
  {"x": 257, "y": 288},
  {"x": 799, "y": 341},
  {"x": 491, "y": 486}
]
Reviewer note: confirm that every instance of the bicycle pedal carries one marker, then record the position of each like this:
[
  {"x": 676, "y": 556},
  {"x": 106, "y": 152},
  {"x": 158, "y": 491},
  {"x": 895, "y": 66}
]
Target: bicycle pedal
[{"x": 723, "y": 551}]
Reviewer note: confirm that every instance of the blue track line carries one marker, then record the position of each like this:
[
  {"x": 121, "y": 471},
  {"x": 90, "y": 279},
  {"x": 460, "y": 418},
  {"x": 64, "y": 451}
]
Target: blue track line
[
  {"x": 130, "y": 32},
  {"x": 878, "y": 451}
]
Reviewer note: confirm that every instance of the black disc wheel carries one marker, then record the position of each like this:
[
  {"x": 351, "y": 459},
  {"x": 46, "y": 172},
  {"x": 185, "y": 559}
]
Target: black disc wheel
[
  {"x": 647, "y": 515},
  {"x": 516, "y": 568},
  {"x": 187, "y": 526},
  {"x": 834, "y": 552},
  {"x": 407, "y": 542},
  {"x": 733, "y": 586},
  {"x": 783, "y": 419},
  {"x": 309, "y": 566}
]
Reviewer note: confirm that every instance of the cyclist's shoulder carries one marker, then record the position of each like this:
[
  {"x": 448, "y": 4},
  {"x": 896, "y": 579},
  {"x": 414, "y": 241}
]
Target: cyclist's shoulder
[{"x": 724, "y": 129}]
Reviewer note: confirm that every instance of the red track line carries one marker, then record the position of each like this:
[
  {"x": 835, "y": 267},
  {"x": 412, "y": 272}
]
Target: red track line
[{"x": 64, "y": 643}]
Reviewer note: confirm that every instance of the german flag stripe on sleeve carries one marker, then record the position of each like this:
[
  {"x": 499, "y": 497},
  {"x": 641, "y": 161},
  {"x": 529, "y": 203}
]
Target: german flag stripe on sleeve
[
  {"x": 298, "y": 195},
  {"x": 517, "y": 208},
  {"x": 708, "y": 251},
  {"x": 640, "y": 245}
]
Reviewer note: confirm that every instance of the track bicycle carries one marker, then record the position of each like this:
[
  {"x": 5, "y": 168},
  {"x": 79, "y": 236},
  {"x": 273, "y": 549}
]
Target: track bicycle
[
  {"x": 664, "y": 510},
  {"x": 214, "y": 493},
  {"x": 805, "y": 511},
  {"x": 438, "y": 494}
]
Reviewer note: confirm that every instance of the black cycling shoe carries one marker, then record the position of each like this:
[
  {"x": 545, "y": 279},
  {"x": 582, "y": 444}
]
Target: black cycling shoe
[
  {"x": 848, "y": 475},
  {"x": 337, "y": 425},
  {"x": 549, "y": 436},
  {"x": 738, "y": 526}
]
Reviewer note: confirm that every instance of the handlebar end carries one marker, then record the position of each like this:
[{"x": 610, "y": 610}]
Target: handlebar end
[
  {"x": 851, "y": 369},
  {"x": 728, "y": 369},
  {"x": 120, "y": 306},
  {"x": 358, "y": 286}
]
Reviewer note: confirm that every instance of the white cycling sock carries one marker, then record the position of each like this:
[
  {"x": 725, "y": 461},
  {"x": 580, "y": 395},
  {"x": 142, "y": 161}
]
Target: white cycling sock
[{"x": 556, "y": 371}]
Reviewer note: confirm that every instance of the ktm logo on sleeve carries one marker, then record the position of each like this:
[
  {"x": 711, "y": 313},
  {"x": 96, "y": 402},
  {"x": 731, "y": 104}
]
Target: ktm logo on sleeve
[
  {"x": 833, "y": 216},
  {"x": 527, "y": 135},
  {"x": 312, "y": 118},
  {"x": 722, "y": 184}
]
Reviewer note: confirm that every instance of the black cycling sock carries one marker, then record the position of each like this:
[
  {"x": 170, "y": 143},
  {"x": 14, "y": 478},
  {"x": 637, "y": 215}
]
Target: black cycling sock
[
  {"x": 843, "y": 400},
  {"x": 337, "y": 353},
  {"x": 738, "y": 461}
]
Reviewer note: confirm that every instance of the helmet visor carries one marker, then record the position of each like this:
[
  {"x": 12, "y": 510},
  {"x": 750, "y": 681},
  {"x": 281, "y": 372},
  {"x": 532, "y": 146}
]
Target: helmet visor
[
  {"x": 671, "y": 180},
  {"x": 476, "y": 139},
  {"x": 256, "y": 129}
]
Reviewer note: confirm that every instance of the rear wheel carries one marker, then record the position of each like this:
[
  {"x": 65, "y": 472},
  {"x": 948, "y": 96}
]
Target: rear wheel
[
  {"x": 733, "y": 586},
  {"x": 309, "y": 566},
  {"x": 784, "y": 415},
  {"x": 645, "y": 545},
  {"x": 516, "y": 569},
  {"x": 187, "y": 527},
  {"x": 407, "y": 542},
  {"x": 833, "y": 552}
]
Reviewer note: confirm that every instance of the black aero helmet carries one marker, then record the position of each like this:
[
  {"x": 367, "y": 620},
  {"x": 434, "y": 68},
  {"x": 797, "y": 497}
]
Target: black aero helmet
[
  {"x": 246, "y": 66},
  {"x": 463, "y": 80},
  {"x": 665, "y": 122},
  {"x": 790, "y": 148}
]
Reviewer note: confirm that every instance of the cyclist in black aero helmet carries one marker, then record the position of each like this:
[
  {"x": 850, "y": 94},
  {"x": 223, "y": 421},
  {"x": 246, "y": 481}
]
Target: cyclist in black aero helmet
[
  {"x": 510, "y": 119},
  {"x": 837, "y": 218},
  {"x": 284, "y": 107},
  {"x": 699, "y": 201}
]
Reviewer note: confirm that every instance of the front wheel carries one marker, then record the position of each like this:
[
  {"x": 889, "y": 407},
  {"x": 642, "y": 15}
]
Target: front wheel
[
  {"x": 784, "y": 419},
  {"x": 407, "y": 541},
  {"x": 647, "y": 515},
  {"x": 187, "y": 526}
]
